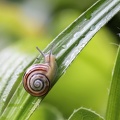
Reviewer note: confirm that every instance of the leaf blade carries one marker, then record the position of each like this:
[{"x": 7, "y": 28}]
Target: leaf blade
[
  {"x": 85, "y": 114},
  {"x": 113, "y": 107}
]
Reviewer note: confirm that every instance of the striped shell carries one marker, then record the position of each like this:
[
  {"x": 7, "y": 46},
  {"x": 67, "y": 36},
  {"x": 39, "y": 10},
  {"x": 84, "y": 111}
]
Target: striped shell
[{"x": 38, "y": 78}]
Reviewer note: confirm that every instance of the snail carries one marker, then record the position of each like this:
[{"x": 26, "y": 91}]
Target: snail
[{"x": 38, "y": 78}]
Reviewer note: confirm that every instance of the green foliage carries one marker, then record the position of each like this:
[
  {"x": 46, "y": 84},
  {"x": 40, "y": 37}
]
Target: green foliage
[
  {"x": 46, "y": 112},
  {"x": 15, "y": 102},
  {"x": 85, "y": 114},
  {"x": 113, "y": 108}
]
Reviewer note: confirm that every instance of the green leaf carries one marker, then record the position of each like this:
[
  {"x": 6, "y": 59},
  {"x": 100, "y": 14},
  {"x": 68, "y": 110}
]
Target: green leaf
[
  {"x": 11, "y": 78},
  {"x": 15, "y": 101},
  {"x": 85, "y": 114},
  {"x": 46, "y": 112},
  {"x": 113, "y": 107}
]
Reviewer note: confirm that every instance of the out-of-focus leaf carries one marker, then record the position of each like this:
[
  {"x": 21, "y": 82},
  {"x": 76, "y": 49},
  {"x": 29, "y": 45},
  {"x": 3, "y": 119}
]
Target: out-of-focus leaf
[
  {"x": 46, "y": 112},
  {"x": 10, "y": 78}
]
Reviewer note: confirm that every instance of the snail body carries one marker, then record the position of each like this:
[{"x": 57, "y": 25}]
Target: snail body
[{"x": 37, "y": 78}]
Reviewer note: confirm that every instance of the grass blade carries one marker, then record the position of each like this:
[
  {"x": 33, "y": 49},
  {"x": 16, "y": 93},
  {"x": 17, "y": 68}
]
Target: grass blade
[{"x": 113, "y": 107}]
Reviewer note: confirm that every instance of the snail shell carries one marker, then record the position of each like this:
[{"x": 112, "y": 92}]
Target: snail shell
[{"x": 37, "y": 79}]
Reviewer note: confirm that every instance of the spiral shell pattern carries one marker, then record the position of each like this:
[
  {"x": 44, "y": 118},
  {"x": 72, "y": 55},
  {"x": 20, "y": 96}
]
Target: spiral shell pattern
[{"x": 35, "y": 82}]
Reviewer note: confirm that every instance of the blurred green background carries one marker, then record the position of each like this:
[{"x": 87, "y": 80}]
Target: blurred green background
[{"x": 30, "y": 23}]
